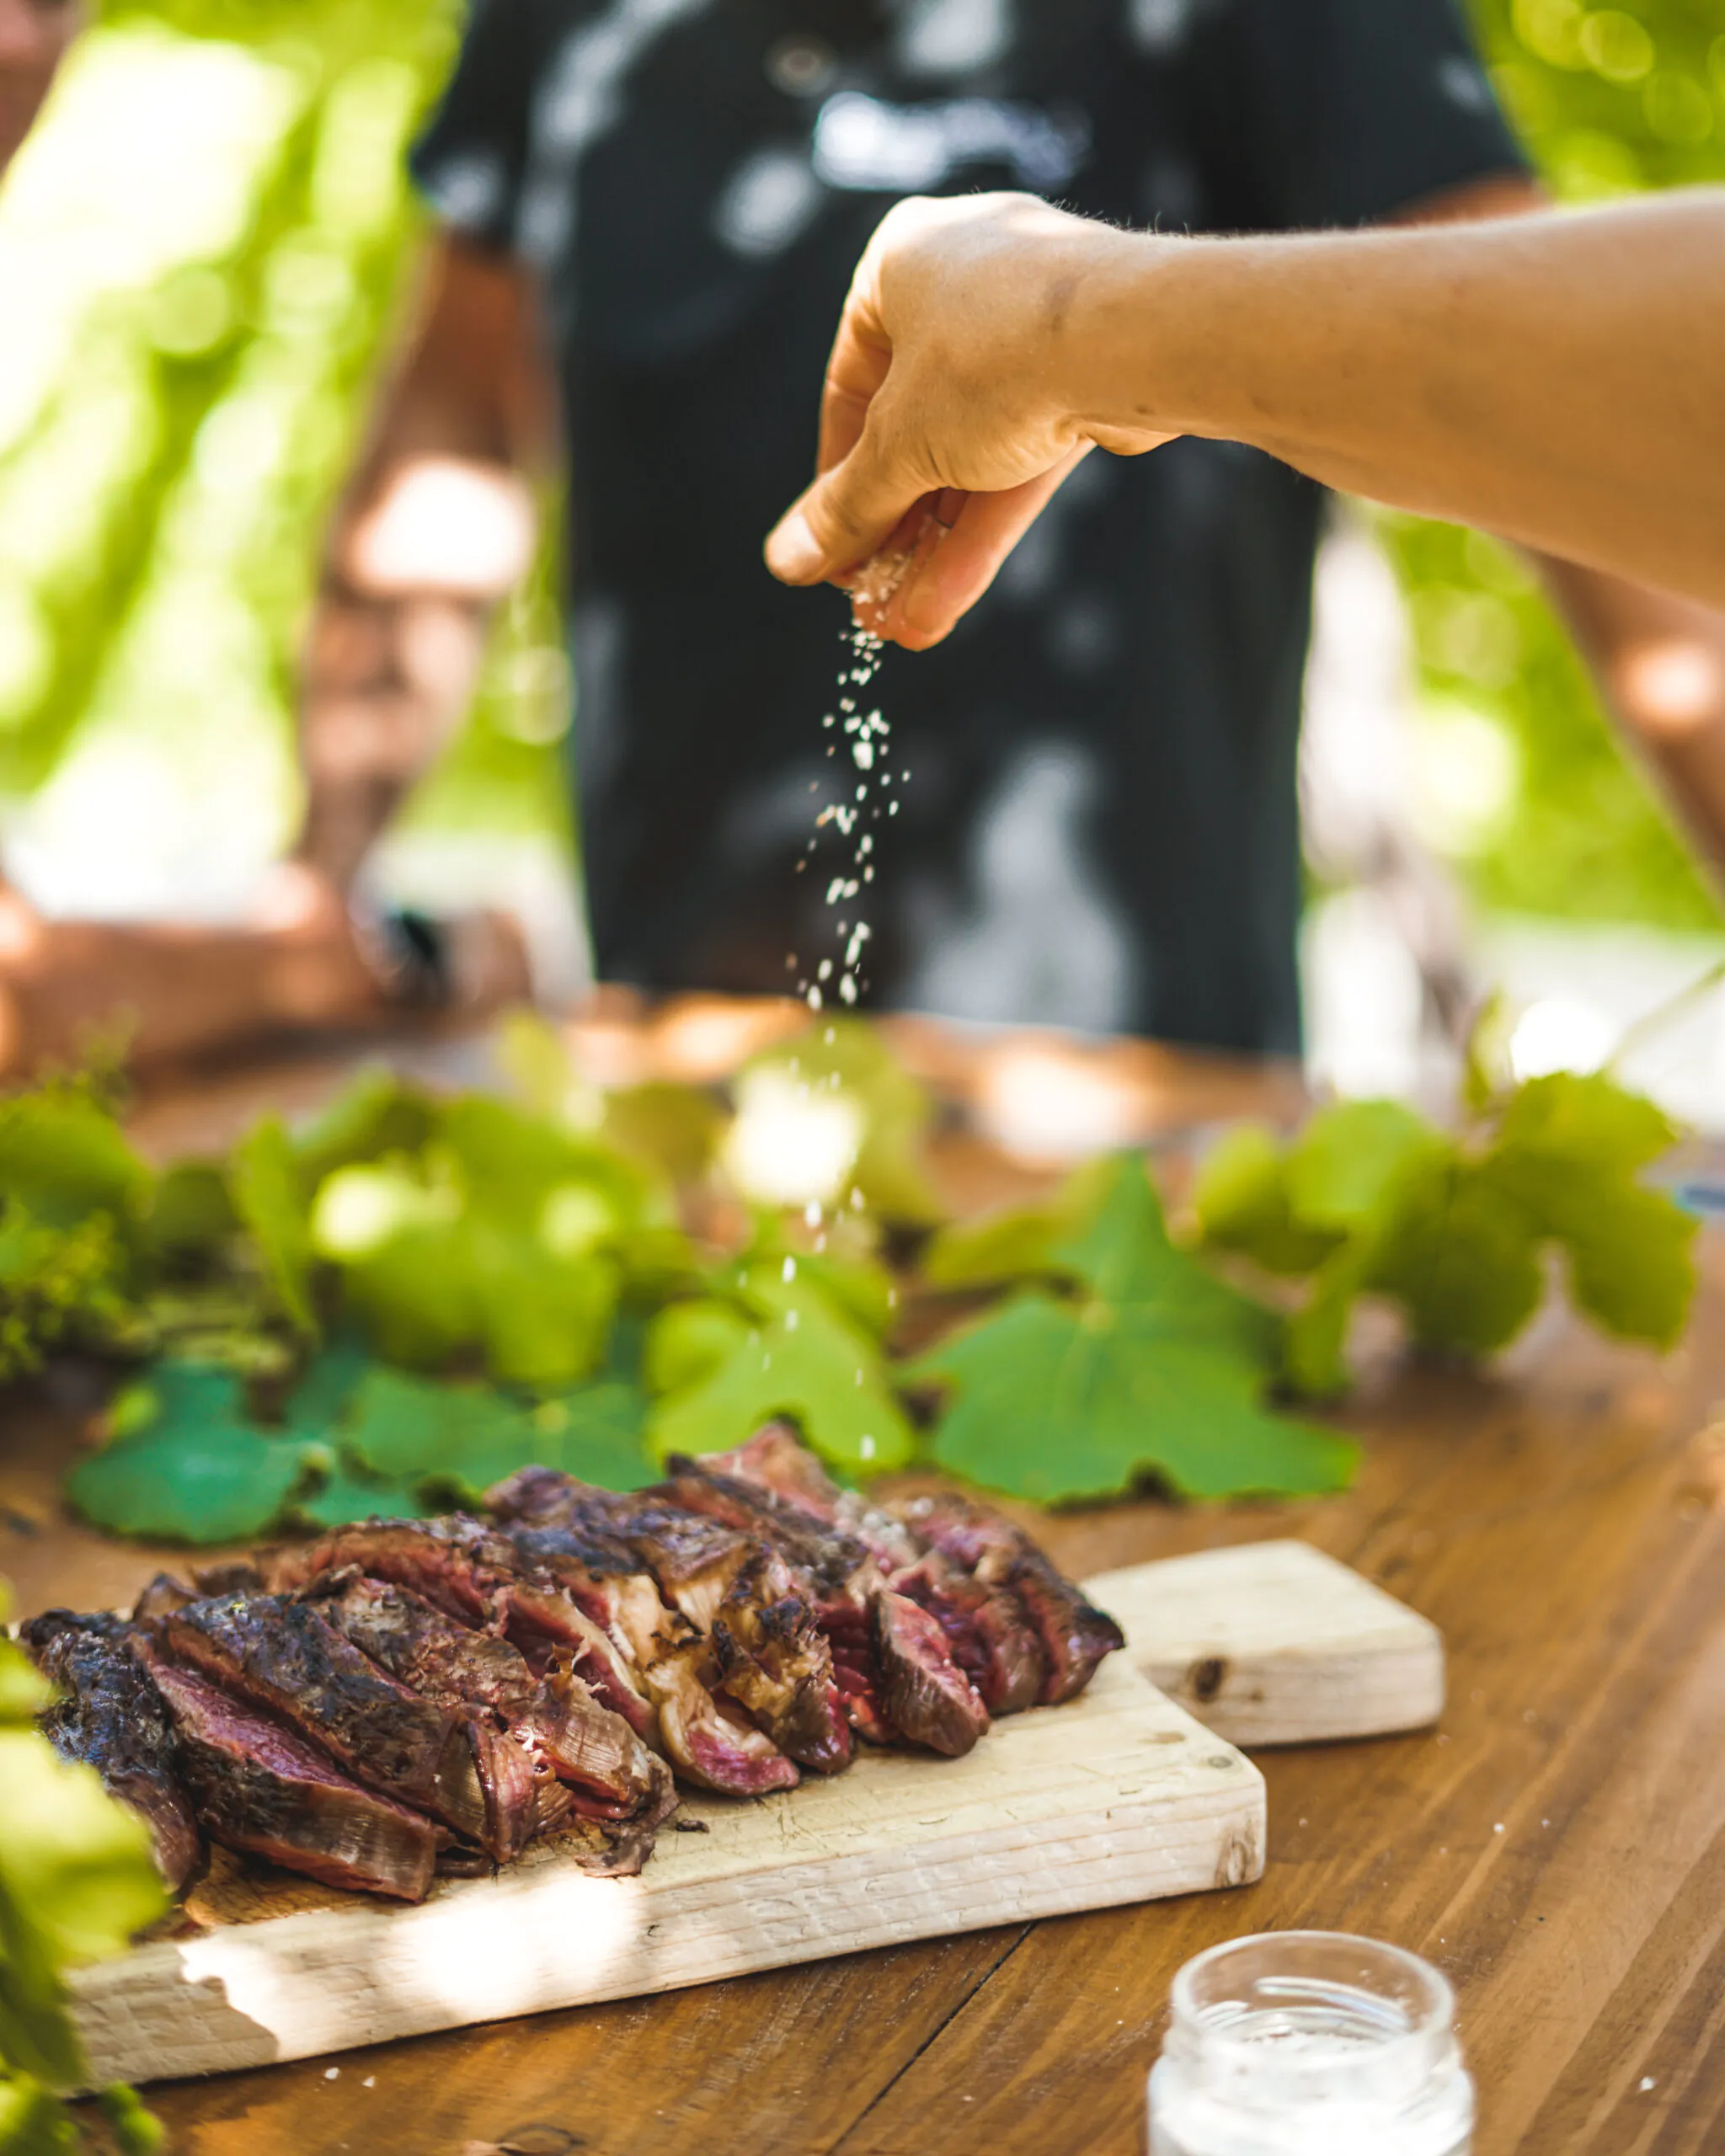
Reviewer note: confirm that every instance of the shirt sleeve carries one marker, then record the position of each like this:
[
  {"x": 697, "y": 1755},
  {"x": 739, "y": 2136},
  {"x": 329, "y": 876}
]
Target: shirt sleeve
[
  {"x": 470, "y": 162},
  {"x": 1358, "y": 109}
]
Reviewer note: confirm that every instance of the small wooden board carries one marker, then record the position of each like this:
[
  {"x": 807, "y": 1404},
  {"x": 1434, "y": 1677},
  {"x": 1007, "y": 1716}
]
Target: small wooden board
[
  {"x": 1275, "y": 1643},
  {"x": 1120, "y": 1796}
]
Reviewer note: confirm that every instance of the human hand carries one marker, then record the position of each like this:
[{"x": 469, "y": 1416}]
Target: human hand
[{"x": 960, "y": 395}]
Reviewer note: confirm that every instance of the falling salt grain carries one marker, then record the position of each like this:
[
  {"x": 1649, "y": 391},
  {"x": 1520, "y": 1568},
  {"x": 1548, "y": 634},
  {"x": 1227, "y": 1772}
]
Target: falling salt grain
[
  {"x": 334, "y": 2074},
  {"x": 370, "y": 2081},
  {"x": 1498, "y": 1828},
  {"x": 790, "y": 1271}
]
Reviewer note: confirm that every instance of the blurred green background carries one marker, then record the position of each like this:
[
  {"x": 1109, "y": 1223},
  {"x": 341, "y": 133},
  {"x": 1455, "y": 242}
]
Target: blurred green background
[{"x": 203, "y": 253}]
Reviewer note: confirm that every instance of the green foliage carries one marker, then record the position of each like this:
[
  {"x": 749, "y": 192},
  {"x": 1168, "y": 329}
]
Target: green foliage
[
  {"x": 1370, "y": 1200},
  {"x": 774, "y": 1349},
  {"x": 1525, "y": 785},
  {"x": 416, "y": 1295},
  {"x": 192, "y": 1466},
  {"x": 846, "y": 1061},
  {"x": 76, "y": 1881},
  {"x": 1153, "y": 1371}
]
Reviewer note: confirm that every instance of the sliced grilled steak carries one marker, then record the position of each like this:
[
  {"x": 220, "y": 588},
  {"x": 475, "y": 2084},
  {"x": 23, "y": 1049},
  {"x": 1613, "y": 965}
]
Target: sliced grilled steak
[
  {"x": 262, "y": 1789},
  {"x": 837, "y": 1571},
  {"x": 1075, "y": 1637},
  {"x": 988, "y": 1629},
  {"x": 768, "y": 1653},
  {"x": 556, "y": 1723},
  {"x": 924, "y": 1692},
  {"x": 280, "y": 1654},
  {"x": 559, "y": 1597},
  {"x": 109, "y": 1716},
  {"x": 774, "y": 1659}
]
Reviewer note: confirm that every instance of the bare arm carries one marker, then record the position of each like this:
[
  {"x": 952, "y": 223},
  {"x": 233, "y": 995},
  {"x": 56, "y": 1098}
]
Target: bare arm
[
  {"x": 1658, "y": 662},
  {"x": 436, "y": 526},
  {"x": 1561, "y": 380}
]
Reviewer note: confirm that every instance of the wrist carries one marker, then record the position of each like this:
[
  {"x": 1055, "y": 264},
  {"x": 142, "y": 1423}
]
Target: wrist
[{"x": 1148, "y": 355}]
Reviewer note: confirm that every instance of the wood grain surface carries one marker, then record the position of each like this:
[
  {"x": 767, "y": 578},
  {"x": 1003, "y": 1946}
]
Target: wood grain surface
[{"x": 1557, "y": 1845}]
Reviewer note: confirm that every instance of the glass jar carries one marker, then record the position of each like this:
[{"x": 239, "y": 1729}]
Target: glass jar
[{"x": 1311, "y": 2043}]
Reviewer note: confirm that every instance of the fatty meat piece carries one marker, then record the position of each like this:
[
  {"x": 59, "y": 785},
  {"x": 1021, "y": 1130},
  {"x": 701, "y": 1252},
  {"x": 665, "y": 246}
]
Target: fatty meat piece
[
  {"x": 260, "y": 1788},
  {"x": 109, "y": 1716},
  {"x": 279, "y": 1653}
]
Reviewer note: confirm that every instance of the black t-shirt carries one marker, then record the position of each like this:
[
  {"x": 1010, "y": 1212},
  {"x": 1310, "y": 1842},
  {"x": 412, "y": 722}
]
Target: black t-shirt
[{"x": 1099, "y": 826}]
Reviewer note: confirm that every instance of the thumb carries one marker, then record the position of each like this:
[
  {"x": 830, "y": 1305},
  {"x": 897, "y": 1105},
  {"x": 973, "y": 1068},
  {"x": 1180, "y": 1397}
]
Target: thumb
[{"x": 844, "y": 518}]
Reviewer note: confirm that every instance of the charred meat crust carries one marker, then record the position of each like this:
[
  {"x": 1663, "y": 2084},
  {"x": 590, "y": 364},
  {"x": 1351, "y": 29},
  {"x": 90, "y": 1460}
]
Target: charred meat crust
[
  {"x": 768, "y": 1653},
  {"x": 1075, "y": 1636},
  {"x": 553, "y": 1720},
  {"x": 109, "y": 1716},
  {"x": 280, "y": 1654},
  {"x": 262, "y": 1789}
]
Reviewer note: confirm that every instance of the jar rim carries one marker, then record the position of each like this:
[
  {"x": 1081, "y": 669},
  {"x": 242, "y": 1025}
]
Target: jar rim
[{"x": 1428, "y": 2004}]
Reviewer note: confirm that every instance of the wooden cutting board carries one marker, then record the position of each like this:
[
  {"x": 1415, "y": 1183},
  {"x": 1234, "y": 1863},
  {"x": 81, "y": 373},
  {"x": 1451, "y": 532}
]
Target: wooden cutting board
[{"x": 1121, "y": 1796}]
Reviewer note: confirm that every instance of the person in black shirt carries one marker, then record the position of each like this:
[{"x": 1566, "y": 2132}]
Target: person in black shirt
[
  {"x": 1099, "y": 826},
  {"x": 647, "y": 215}
]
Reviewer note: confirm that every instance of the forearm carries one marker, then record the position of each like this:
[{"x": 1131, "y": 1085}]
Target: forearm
[
  {"x": 1660, "y": 665},
  {"x": 1559, "y": 381}
]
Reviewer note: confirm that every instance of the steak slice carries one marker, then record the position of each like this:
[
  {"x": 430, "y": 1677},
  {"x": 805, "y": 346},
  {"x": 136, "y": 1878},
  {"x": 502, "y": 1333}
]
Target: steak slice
[
  {"x": 280, "y": 1654},
  {"x": 922, "y": 1689},
  {"x": 264, "y": 1791},
  {"x": 1075, "y": 1637},
  {"x": 555, "y": 1723},
  {"x": 768, "y": 1653},
  {"x": 988, "y": 1629},
  {"x": 897, "y": 1676},
  {"x": 108, "y": 1715},
  {"x": 777, "y": 1460},
  {"x": 704, "y": 1741},
  {"x": 456, "y": 1564},
  {"x": 775, "y": 1661}
]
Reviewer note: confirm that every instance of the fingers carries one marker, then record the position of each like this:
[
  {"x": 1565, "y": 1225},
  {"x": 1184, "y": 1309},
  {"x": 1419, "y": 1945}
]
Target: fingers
[
  {"x": 959, "y": 554},
  {"x": 844, "y": 518}
]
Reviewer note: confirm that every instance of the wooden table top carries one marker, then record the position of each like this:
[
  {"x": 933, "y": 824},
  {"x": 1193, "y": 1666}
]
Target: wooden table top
[{"x": 1557, "y": 1847}]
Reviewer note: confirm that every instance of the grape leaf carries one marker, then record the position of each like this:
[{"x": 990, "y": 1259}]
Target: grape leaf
[
  {"x": 77, "y": 1880},
  {"x": 461, "y": 1439},
  {"x": 797, "y": 1355},
  {"x": 374, "y": 1117},
  {"x": 1156, "y": 1370},
  {"x": 1015, "y": 1242},
  {"x": 1372, "y": 1200},
  {"x": 268, "y": 1195},
  {"x": 191, "y": 1215},
  {"x": 192, "y": 1466}
]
